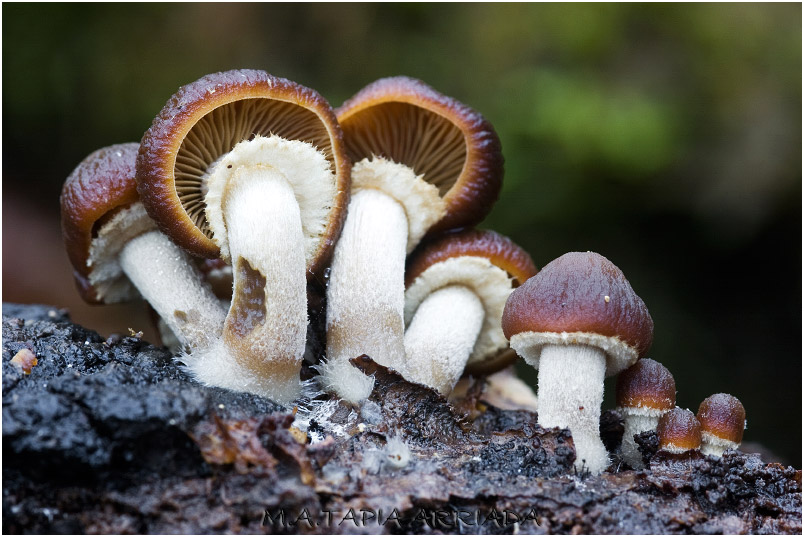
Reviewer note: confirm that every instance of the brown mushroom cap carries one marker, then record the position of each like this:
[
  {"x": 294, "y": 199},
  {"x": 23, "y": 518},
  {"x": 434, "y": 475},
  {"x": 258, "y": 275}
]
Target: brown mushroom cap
[
  {"x": 204, "y": 120},
  {"x": 453, "y": 146},
  {"x": 100, "y": 186},
  {"x": 679, "y": 431},
  {"x": 646, "y": 385},
  {"x": 723, "y": 416},
  {"x": 581, "y": 293},
  {"x": 498, "y": 249}
]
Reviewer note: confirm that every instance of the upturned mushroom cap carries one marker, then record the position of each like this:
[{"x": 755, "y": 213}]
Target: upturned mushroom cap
[
  {"x": 647, "y": 387},
  {"x": 723, "y": 416},
  {"x": 679, "y": 431},
  {"x": 97, "y": 193},
  {"x": 486, "y": 262},
  {"x": 452, "y": 146},
  {"x": 580, "y": 298},
  {"x": 203, "y": 121}
]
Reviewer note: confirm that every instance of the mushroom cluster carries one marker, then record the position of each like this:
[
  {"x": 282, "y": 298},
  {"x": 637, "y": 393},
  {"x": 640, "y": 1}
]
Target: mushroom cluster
[{"x": 249, "y": 194}]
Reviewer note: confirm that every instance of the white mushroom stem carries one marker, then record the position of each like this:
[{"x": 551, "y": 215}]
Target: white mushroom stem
[
  {"x": 441, "y": 336},
  {"x": 390, "y": 211},
  {"x": 365, "y": 297},
  {"x": 713, "y": 445},
  {"x": 264, "y": 334},
  {"x": 636, "y": 421},
  {"x": 570, "y": 396},
  {"x": 166, "y": 278},
  {"x": 267, "y": 322}
]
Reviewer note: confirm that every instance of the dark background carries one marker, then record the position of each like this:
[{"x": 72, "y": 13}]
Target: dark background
[{"x": 666, "y": 137}]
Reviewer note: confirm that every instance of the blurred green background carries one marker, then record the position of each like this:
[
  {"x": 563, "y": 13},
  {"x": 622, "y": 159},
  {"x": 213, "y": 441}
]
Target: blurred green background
[{"x": 666, "y": 137}]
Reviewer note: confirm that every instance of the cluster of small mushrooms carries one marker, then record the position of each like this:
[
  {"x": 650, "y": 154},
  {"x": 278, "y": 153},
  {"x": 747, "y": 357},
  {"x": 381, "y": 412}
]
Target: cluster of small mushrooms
[{"x": 373, "y": 204}]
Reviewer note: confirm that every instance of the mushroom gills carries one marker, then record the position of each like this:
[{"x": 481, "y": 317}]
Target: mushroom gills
[
  {"x": 442, "y": 335},
  {"x": 570, "y": 396}
]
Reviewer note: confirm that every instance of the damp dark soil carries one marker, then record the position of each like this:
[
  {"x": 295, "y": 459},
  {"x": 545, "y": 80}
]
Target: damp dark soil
[{"x": 111, "y": 436}]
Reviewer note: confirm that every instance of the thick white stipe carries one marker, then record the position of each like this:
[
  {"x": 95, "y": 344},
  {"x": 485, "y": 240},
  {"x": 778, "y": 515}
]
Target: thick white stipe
[
  {"x": 570, "y": 396},
  {"x": 441, "y": 336},
  {"x": 365, "y": 297},
  {"x": 166, "y": 278}
]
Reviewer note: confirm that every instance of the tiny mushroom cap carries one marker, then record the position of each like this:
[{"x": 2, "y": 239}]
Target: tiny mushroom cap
[
  {"x": 473, "y": 272},
  {"x": 645, "y": 391},
  {"x": 722, "y": 418},
  {"x": 451, "y": 145},
  {"x": 647, "y": 387},
  {"x": 679, "y": 431},
  {"x": 252, "y": 168},
  {"x": 423, "y": 163},
  {"x": 117, "y": 253},
  {"x": 576, "y": 321}
]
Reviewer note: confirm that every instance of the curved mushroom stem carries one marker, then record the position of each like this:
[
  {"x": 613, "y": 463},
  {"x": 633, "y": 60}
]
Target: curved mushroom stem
[
  {"x": 264, "y": 334},
  {"x": 441, "y": 336},
  {"x": 166, "y": 278},
  {"x": 570, "y": 396},
  {"x": 635, "y": 424},
  {"x": 365, "y": 295}
]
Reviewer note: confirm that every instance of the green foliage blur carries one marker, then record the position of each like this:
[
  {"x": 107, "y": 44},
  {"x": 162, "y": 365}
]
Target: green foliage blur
[{"x": 665, "y": 136}]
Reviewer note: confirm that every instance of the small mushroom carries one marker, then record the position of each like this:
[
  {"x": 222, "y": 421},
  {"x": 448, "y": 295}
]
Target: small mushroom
[
  {"x": 645, "y": 392},
  {"x": 423, "y": 162},
  {"x": 722, "y": 418},
  {"x": 457, "y": 286},
  {"x": 25, "y": 360},
  {"x": 251, "y": 168},
  {"x": 577, "y": 321},
  {"x": 679, "y": 431},
  {"x": 118, "y": 254}
]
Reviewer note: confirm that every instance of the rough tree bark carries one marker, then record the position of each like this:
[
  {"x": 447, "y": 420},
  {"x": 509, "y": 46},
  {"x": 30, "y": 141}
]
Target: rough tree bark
[{"x": 112, "y": 437}]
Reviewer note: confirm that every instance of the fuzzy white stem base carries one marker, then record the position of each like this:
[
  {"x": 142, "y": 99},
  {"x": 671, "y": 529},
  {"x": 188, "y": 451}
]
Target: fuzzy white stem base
[
  {"x": 264, "y": 334},
  {"x": 635, "y": 424},
  {"x": 166, "y": 278},
  {"x": 441, "y": 336},
  {"x": 712, "y": 445},
  {"x": 365, "y": 296},
  {"x": 570, "y": 396}
]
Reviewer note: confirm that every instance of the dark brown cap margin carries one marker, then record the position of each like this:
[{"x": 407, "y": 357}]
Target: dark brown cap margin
[{"x": 101, "y": 183}]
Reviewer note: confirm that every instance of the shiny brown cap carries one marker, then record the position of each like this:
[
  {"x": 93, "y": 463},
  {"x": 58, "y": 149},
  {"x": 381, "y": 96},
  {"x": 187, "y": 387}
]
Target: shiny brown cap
[
  {"x": 498, "y": 249},
  {"x": 679, "y": 431},
  {"x": 453, "y": 146},
  {"x": 722, "y": 415},
  {"x": 100, "y": 185},
  {"x": 646, "y": 385},
  {"x": 203, "y": 121},
  {"x": 580, "y": 292}
]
